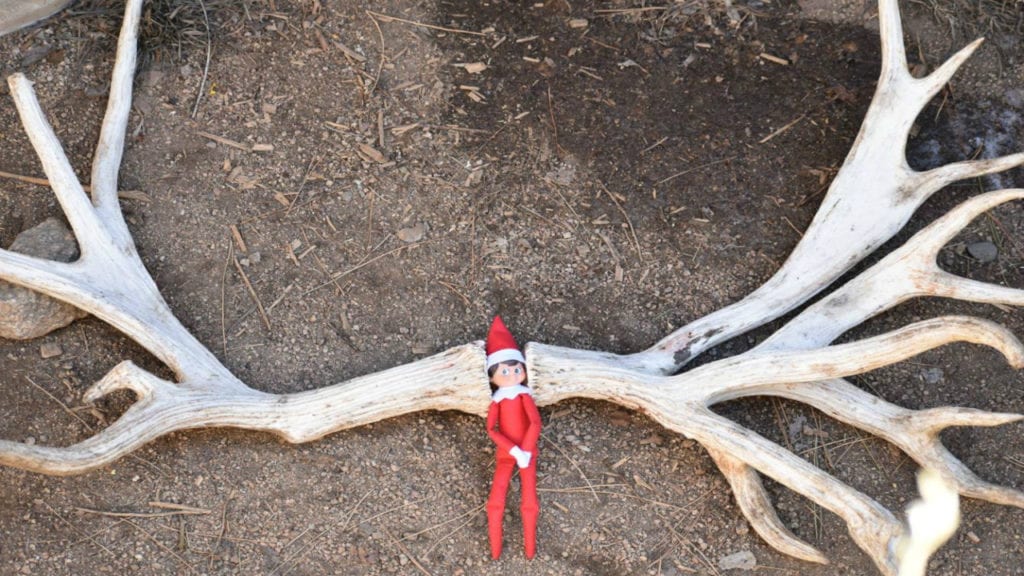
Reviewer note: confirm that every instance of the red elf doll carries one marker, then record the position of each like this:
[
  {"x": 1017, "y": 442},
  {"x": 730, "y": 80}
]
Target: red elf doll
[{"x": 513, "y": 423}]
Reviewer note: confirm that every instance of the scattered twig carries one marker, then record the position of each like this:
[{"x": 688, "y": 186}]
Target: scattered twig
[
  {"x": 252, "y": 292},
  {"x": 469, "y": 519},
  {"x": 338, "y": 275},
  {"x": 237, "y": 235},
  {"x": 446, "y": 522},
  {"x": 387, "y": 18},
  {"x": 694, "y": 169},
  {"x": 574, "y": 464},
  {"x": 456, "y": 292},
  {"x": 122, "y": 194},
  {"x": 160, "y": 545},
  {"x": 781, "y": 130},
  {"x": 793, "y": 226},
  {"x": 405, "y": 551},
  {"x": 774, "y": 59},
  {"x": 79, "y": 532},
  {"x": 206, "y": 67},
  {"x": 614, "y": 11},
  {"x": 224, "y": 141},
  {"x": 59, "y": 403},
  {"x": 179, "y": 507},
  {"x": 380, "y": 65},
  {"x": 1007, "y": 235},
  {"x": 138, "y": 514},
  {"x": 223, "y": 296},
  {"x": 632, "y": 231},
  {"x": 653, "y": 146},
  {"x": 554, "y": 125}
]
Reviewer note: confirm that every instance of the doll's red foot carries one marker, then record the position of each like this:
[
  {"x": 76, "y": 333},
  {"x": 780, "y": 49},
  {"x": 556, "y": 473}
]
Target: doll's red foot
[
  {"x": 495, "y": 537},
  {"x": 530, "y": 546}
]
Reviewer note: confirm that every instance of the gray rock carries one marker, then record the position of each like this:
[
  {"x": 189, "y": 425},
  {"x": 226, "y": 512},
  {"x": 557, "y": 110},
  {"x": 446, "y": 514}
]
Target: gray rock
[
  {"x": 25, "y": 314},
  {"x": 983, "y": 251},
  {"x": 743, "y": 560},
  {"x": 933, "y": 375}
]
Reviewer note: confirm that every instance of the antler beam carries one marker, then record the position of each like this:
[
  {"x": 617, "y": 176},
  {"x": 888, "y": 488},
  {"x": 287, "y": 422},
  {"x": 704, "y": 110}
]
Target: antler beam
[{"x": 872, "y": 197}]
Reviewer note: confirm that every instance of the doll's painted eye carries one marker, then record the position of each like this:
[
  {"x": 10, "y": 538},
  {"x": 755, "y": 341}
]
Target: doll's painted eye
[
  {"x": 518, "y": 371},
  {"x": 504, "y": 371}
]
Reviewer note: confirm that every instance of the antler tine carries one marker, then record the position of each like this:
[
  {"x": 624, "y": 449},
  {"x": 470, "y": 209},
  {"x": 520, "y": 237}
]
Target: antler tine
[
  {"x": 757, "y": 508},
  {"x": 944, "y": 73},
  {"x": 915, "y": 432},
  {"x": 871, "y": 526},
  {"x": 871, "y": 198},
  {"x": 156, "y": 412},
  {"x": 932, "y": 238},
  {"x": 109, "y": 148},
  {"x": 760, "y": 370},
  {"x": 79, "y": 211},
  {"x": 907, "y": 272},
  {"x": 890, "y": 31},
  {"x": 936, "y": 178}
]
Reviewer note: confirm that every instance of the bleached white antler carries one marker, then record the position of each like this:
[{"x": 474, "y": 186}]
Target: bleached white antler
[
  {"x": 871, "y": 198},
  {"x": 869, "y": 201}
]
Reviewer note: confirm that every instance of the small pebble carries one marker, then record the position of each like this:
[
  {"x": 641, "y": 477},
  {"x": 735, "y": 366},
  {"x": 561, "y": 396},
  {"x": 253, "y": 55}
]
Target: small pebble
[
  {"x": 743, "y": 560},
  {"x": 983, "y": 251}
]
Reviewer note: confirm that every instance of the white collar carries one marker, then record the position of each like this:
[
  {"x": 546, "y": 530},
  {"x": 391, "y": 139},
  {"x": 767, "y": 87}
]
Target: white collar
[{"x": 510, "y": 392}]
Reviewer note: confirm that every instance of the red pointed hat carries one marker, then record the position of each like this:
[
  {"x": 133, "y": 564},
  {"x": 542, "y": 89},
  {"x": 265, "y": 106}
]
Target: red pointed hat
[{"x": 501, "y": 346}]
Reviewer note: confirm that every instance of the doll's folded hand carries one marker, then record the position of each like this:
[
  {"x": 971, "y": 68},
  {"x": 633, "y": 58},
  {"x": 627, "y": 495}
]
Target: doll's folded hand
[{"x": 522, "y": 457}]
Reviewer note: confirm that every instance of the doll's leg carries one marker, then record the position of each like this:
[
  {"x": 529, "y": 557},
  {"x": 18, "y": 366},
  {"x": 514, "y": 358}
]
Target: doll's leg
[
  {"x": 529, "y": 507},
  {"x": 496, "y": 503}
]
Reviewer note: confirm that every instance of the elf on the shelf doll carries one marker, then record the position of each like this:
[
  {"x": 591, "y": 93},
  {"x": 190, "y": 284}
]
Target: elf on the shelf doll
[{"x": 513, "y": 423}]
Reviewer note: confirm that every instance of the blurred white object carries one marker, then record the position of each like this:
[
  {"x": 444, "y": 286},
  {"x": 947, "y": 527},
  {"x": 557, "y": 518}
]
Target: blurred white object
[{"x": 932, "y": 520}]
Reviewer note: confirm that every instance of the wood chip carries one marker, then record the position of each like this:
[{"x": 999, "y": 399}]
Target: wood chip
[
  {"x": 237, "y": 235},
  {"x": 372, "y": 153},
  {"x": 578, "y": 23},
  {"x": 350, "y": 52},
  {"x": 130, "y": 195},
  {"x": 775, "y": 59},
  {"x": 262, "y": 147},
  {"x": 223, "y": 140},
  {"x": 399, "y": 130},
  {"x": 473, "y": 67}
]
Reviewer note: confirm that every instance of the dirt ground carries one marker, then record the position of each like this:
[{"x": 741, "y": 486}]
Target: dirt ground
[{"x": 610, "y": 175}]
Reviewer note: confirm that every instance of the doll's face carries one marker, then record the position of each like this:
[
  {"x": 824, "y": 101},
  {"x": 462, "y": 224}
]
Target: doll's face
[{"x": 510, "y": 374}]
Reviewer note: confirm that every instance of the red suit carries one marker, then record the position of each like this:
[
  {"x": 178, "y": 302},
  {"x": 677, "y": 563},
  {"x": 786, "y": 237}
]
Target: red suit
[{"x": 512, "y": 421}]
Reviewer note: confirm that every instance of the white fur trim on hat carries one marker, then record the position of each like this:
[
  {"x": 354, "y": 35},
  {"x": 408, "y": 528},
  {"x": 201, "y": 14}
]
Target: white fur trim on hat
[
  {"x": 505, "y": 355},
  {"x": 510, "y": 392}
]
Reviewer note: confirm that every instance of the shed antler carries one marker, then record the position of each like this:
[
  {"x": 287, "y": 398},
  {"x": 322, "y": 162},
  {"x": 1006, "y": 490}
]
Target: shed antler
[
  {"x": 872, "y": 197},
  {"x": 869, "y": 201}
]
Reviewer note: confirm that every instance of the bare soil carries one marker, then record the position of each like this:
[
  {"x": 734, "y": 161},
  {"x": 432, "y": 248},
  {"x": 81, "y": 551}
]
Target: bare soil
[{"x": 597, "y": 185}]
